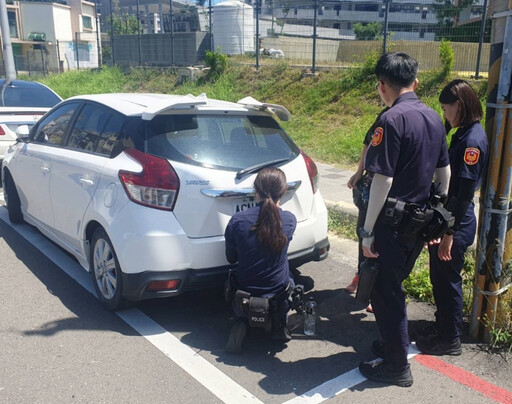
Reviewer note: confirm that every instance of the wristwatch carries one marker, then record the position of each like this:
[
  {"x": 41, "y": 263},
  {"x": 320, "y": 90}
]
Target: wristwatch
[
  {"x": 450, "y": 232},
  {"x": 362, "y": 233}
]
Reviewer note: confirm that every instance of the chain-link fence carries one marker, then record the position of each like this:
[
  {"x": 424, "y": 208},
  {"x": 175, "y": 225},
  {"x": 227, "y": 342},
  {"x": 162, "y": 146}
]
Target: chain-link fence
[{"x": 311, "y": 33}]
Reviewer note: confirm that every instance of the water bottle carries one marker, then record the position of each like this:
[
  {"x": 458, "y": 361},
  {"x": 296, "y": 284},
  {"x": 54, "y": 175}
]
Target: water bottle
[{"x": 310, "y": 317}]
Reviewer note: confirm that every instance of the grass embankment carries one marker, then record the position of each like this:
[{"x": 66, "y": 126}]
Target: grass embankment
[{"x": 331, "y": 112}]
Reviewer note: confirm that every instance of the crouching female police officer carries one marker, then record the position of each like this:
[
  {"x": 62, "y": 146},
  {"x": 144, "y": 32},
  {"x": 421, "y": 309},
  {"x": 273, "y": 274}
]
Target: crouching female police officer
[
  {"x": 258, "y": 239},
  {"x": 469, "y": 151}
]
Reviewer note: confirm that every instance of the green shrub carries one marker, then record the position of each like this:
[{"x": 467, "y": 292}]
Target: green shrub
[
  {"x": 447, "y": 57},
  {"x": 217, "y": 62}
]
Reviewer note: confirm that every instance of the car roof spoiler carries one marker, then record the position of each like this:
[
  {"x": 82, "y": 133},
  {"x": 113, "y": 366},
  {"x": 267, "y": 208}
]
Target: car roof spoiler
[
  {"x": 278, "y": 110},
  {"x": 182, "y": 102}
]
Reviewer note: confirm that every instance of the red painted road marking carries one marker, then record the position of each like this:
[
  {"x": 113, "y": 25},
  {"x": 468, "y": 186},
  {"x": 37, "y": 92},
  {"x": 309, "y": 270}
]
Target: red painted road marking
[{"x": 466, "y": 378}]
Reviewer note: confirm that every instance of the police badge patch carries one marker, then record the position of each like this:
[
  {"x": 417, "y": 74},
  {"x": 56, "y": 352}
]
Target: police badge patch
[
  {"x": 377, "y": 136},
  {"x": 471, "y": 156}
]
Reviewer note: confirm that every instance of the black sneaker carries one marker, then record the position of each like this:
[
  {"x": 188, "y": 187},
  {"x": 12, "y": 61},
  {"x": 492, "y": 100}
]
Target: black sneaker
[
  {"x": 236, "y": 337},
  {"x": 379, "y": 348},
  {"x": 380, "y": 372},
  {"x": 437, "y": 345}
]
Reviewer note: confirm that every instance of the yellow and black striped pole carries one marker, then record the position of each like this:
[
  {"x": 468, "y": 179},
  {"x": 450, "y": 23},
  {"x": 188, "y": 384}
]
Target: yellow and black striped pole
[{"x": 495, "y": 201}]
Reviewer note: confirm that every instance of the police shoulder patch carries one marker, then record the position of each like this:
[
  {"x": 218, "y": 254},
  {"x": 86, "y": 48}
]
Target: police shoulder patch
[
  {"x": 471, "y": 156},
  {"x": 377, "y": 136}
]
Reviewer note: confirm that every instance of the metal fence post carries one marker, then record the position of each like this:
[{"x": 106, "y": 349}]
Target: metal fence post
[
  {"x": 210, "y": 24},
  {"x": 77, "y": 57},
  {"x": 138, "y": 31},
  {"x": 257, "y": 34},
  {"x": 112, "y": 33},
  {"x": 28, "y": 64},
  {"x": 385, "y": 41},
  {"x": 42, "y": 61},
  {"x": 480, "y": 41},
  {"x": 315, "y": 13},
  {"x": 172, "y": 32}
]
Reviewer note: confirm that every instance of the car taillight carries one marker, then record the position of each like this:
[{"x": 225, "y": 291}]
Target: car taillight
[
  {"x": 312, "y": 171},
  {"x": 156, "y": 186},
  {"x": 2, "y": 131}
]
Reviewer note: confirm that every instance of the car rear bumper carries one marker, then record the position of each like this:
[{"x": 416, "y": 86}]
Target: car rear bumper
[{"x": 135, "y": 285}]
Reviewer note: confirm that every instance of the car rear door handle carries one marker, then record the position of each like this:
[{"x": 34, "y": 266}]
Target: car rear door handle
[
  {"x": 87, "y": 182},
  {"x": 45, "y": 170}
]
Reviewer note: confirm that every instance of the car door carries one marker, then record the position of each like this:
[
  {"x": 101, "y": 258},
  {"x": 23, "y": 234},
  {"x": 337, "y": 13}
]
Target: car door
[
  {"x": 77, "y": 170},
  {"x": 32, "y": 167}
]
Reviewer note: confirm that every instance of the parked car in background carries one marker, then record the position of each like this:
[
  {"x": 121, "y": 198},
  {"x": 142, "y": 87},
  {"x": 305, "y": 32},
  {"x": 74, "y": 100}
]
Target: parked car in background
[
  {"x": 22, "y": 103},
  {"x": 140, "y": 187}
]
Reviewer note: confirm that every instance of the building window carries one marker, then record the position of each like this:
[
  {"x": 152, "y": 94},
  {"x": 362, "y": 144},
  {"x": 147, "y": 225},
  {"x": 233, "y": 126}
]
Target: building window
[
  {"x": 13, "y": 24},
  {"x": 87, "y": 22},
  {"x": 424, "y": 13}
]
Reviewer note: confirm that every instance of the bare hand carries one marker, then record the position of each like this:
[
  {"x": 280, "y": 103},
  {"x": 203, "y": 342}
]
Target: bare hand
[
  {"x": 354, "y": 179},
  {"x": 368, "y": 246},
  {"x": 445, "y": 248}
]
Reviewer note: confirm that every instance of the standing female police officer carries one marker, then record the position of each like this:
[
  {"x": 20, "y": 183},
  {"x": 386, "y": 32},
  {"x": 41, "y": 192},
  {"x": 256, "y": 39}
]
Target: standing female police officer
[
  {"x": 468, "y": 152},
  {"x": 408, "y": 146},
  {"x": 258, "y": 239}
]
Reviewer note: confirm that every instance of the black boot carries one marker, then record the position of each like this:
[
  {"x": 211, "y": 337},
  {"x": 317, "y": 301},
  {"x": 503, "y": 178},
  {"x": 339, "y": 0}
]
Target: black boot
[{"x": 236, "y": 337}]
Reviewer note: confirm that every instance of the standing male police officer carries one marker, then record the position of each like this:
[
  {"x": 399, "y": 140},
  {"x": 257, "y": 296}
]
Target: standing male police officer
[{"x": 408, "y": 147}]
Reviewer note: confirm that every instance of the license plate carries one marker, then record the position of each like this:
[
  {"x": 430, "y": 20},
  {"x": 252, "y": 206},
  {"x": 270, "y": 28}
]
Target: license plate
[{"x": 239, "y": 205}]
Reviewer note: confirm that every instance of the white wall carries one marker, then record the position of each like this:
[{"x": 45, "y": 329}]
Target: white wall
[
  {"x": 62, "y": 18},
  {"x": 41, "y": 17}
]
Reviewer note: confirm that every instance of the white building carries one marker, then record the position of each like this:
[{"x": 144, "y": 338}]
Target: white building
[
  {"x": 407, "y": 19},
  {"x": 45, "y": 36}
]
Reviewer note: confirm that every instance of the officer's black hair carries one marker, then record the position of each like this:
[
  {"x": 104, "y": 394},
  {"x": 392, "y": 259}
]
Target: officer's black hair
[
  {"x": 270, "y": 184},
  {"x": 470, "y": 106},
  {"x": 398, "y": 70}
]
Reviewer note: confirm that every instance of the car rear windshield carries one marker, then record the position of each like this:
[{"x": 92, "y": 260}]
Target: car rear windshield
[
  {"x": 225, "y": 141},
  {"x": 31, "y": 97}
]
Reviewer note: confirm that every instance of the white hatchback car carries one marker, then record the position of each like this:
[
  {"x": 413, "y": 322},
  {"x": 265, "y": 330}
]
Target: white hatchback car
[
  {"x": 140, "y": 187},
  {"x": 22, "y": 103}
]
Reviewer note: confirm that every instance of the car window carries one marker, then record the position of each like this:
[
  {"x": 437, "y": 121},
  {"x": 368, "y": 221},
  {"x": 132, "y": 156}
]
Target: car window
[
  {"x": 96, "y": 130},
  {"x": 110, "y": 136},
  {"x": 52, "y": 128},
  {"x": 232, "y": 142},
  {"x": 20, "y": 96}
]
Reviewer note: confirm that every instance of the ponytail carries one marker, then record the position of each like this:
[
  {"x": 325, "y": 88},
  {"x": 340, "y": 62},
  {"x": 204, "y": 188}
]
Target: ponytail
[{"x": 270, "y": 184}]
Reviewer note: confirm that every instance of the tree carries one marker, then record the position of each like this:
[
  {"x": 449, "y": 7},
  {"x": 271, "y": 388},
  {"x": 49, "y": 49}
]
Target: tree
[
  {"x": 367, "y": 32},
  {"x": 124, "y": 24}
]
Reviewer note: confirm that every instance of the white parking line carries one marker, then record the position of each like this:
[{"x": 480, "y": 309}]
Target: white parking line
[{"x": 199, "y": 368}]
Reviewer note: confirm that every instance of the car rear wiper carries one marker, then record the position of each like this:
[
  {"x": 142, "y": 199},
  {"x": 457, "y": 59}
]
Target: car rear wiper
[{"x": 258, "y": 167}]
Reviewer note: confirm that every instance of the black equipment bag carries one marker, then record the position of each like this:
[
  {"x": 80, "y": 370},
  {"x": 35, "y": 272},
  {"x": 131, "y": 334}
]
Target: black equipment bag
[
  {"x": 368, "y": 272},
  {"x": 258, "y": 314},
  {"x": 441, "y": 220}
]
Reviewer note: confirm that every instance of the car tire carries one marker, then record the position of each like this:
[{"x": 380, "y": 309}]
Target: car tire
[
  {"x": 105, "y": 271},
  {"x": 12, "y": 200}
]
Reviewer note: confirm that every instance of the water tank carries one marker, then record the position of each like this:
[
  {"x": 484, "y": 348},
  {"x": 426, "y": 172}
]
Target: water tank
[{"x": 233, "y": 27}]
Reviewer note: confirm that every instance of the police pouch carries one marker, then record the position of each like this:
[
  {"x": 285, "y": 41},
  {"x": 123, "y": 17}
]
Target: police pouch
[
  {"x": 368, "y": 272},
  {"x": 258, "y": 313},
  {"x": 440, "y": 221}
]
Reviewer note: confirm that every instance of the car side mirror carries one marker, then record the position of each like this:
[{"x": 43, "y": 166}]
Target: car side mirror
[{"x": 22, "y": 131}]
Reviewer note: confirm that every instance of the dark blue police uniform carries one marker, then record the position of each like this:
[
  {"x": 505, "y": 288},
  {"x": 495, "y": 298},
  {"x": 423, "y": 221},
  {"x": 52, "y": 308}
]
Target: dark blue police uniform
[
  {"x": 408, "y": 144},
  {"x": 261, "y": 273},
  {"x": 469, "y": 154}
]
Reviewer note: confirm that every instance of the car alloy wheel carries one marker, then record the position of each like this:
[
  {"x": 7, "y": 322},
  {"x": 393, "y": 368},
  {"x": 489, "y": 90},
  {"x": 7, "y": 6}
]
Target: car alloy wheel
[{"x": 105, "y": 271}]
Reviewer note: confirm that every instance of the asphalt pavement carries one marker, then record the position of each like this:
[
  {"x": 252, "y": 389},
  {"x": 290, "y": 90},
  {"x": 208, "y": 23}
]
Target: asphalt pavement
[{"x": 59, "y": 345}]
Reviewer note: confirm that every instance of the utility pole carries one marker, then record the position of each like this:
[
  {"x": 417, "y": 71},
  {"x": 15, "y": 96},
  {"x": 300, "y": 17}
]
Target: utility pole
[
  {"x": 97, "y": 22},
  {"x": 494, "y": 250},
  {"x": 10, "y": 69},
  {"x": 315, "y": 13}
]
